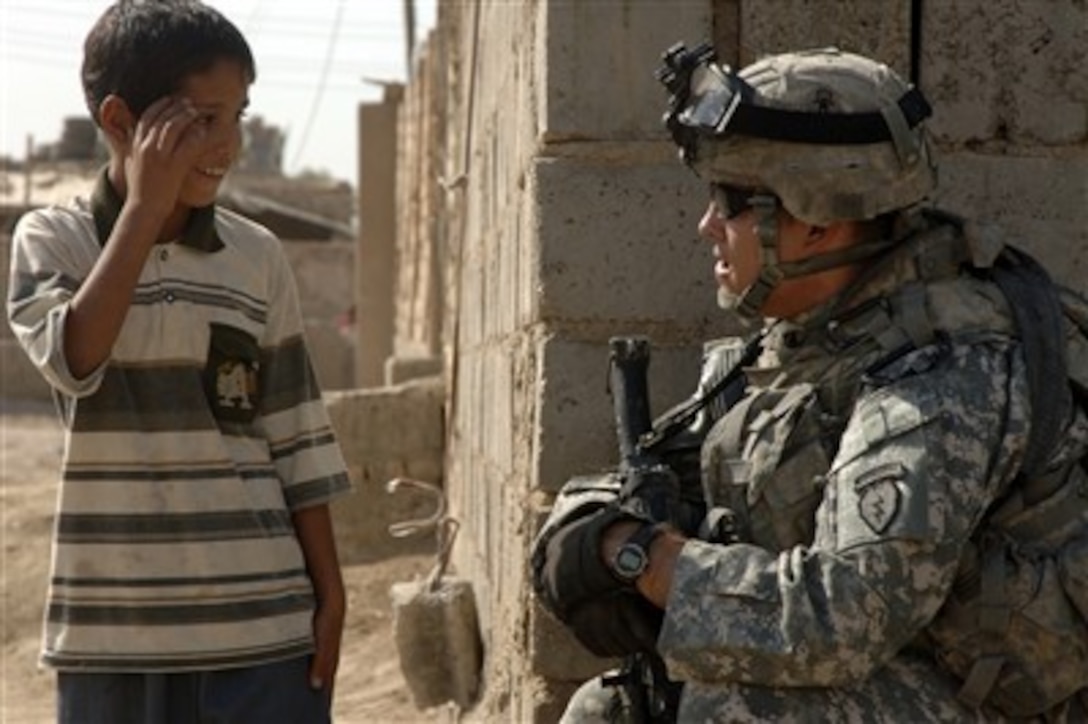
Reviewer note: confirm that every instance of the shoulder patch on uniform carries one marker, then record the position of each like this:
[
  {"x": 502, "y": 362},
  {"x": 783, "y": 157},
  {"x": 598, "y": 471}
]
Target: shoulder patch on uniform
[{"x": 879, "y": 495}]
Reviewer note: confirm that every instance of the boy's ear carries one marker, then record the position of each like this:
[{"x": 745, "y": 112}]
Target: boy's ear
[{"x": 116, "y": 120}]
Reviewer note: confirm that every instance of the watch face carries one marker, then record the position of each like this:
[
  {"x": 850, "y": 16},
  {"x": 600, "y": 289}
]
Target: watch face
[{"x": 630, "y": 561}]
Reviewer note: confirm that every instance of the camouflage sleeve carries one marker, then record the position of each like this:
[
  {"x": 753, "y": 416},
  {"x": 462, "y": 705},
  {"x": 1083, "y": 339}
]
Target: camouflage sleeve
[{"x": 921, "y": 458}]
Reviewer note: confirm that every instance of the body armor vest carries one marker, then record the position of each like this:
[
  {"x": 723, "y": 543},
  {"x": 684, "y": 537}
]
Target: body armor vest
[
  {"x": 1013, "y": 629},
  {"x": 765, "y": 459}
]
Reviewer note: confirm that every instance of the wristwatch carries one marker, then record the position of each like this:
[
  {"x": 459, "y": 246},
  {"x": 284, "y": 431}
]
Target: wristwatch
[{"x": 632, "y": 558}]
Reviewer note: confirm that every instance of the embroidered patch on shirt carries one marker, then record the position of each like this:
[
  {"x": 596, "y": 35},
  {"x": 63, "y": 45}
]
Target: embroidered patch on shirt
[
  {"x": 231, "y": 375},
  {"x": 879, "y": 495}
]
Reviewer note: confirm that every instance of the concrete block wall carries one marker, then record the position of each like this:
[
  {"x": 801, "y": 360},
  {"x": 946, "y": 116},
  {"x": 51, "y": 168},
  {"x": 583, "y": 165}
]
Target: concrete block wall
[
  {"x": 568, "y": 220},
  {"x": 491, "y": 344},
  {"x": 384, "y": 433},
  {"x": 1009, "y": 82},
  {"x": 749, "y": 29},
  {"x": 557, "y": 242},
  {"x": 420, "y": 192}
]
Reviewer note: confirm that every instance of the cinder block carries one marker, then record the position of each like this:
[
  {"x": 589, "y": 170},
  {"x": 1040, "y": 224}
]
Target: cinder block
[
  {"x": 1039, "y": 203},
  {"x": 384, "y": 433},
  {"x": 600, "y": 61},
  {"x": 437, "y": 633},
  {"x": 549, "y": 700},
  {"x": 556, "y": 654},
  {"x": 879, "y": 29},
  {"x": 405, "y": 369},
  {"x": 575, "y": 421},
  {"x": 618, "y": 243},
  {"x": 1006, "y": 71}
]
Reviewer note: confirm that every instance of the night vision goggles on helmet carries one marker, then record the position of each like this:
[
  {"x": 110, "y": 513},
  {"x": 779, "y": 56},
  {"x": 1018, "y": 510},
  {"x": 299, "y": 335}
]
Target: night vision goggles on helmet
[{"x": 834, "y": 136}]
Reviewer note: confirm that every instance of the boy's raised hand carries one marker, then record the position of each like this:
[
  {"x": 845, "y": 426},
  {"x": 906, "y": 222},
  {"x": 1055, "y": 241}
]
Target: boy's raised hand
[
  {"x": 159, "y": 152},
  {"x": 165, "y": 145}
]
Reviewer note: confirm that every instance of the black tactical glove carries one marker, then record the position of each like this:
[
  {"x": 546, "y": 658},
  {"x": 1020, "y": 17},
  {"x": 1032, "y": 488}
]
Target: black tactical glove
[
  {"x": 619, "y": 623},
  {"x": 656, "y": 492},
  {"x": 652, "y": 492},
  {"x": 607, "y": 615}
]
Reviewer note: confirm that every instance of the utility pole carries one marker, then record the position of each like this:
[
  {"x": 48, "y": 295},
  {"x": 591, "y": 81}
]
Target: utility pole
[{"x": 409, "y": 35}]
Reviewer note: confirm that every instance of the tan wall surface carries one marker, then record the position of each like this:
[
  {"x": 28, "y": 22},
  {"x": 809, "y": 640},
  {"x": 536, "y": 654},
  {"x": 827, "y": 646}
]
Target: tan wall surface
[
  {"x": 384, "y": 433},
  {"x": 560, "y": 245},
  {"x": 375, "y": 258},
  {"x": 1009, "y": 84},
  {"x": 420, "y": 193}
]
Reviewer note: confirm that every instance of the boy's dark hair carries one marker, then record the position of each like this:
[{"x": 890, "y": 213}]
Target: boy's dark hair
[{"x": 142, "y": 50}]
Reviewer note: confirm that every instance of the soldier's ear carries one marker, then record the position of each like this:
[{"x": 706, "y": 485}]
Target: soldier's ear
[{"x": 815, "y": 234}]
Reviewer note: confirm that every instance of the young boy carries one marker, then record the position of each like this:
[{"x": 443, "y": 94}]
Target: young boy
[{"x": 195, "y": 575}]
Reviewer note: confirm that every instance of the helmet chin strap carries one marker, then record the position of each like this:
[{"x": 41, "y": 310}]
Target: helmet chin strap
[{"x": 749, "y": 302}]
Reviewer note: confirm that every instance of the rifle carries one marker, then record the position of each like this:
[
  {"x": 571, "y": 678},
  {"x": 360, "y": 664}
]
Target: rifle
[
  {"x": 652, "y": 696},
  {"x": 629, "y": 361},
  {"x": 648, "y": 486}
]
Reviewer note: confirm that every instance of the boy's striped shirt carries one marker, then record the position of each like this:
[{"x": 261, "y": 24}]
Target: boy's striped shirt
[{"x": 186, "y": 452}]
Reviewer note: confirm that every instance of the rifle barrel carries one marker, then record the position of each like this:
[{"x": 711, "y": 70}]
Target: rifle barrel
[{"x": 630, "y": 361}]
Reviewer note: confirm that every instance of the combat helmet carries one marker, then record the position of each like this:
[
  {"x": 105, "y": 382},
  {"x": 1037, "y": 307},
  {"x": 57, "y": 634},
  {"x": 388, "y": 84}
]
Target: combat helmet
[{"x": 829, "y": 135}]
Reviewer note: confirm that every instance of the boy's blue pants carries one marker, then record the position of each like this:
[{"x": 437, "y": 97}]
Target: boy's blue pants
[{"x": 277, "y": 693}]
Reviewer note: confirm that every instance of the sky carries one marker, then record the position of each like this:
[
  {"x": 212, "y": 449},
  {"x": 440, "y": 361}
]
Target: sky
[{"x": 314, "y": 61}]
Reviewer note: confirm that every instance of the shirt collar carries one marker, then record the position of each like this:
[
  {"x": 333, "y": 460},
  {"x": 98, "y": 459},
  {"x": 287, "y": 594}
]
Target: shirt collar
[{"x": 199, "y": 232}]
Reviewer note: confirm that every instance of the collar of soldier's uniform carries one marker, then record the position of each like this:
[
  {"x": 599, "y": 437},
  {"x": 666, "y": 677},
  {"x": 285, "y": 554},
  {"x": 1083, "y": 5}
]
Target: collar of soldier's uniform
[
  {"x": 928, "y": 245},
  {"x": 199, "y": 232}
]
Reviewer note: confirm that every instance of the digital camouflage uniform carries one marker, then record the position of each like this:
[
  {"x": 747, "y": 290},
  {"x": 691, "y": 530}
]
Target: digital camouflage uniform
[
  {"x": 858, "y": 489},
  {"x": 904, "y": 554}
]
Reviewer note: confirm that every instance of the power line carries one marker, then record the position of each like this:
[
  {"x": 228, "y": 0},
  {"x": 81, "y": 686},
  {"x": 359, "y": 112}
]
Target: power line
[{"x": 329, "y": 52}]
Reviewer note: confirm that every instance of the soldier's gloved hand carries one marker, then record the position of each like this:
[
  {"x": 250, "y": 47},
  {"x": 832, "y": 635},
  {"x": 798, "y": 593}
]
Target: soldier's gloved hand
[
  {"x": 607, "y": 615},
  {"x": 652, "y": 492},
  {"x": 617, "y": 624}
]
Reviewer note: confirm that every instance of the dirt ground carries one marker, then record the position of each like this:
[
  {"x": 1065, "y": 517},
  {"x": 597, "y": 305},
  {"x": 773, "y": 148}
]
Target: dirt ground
[{"x": 370, "y": 688}]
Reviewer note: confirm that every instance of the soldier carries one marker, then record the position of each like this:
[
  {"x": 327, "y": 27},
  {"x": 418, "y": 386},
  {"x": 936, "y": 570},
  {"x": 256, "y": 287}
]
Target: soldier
[{"x": 899, "y": 492}]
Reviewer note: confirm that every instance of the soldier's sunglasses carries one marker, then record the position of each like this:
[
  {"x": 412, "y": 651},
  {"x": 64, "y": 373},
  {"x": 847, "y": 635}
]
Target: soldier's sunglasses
[{"x": 732, "y": 201}]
